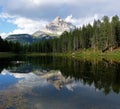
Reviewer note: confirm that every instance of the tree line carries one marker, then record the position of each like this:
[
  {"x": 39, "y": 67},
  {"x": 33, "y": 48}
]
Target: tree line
[
  {"x": 102, "y": 35},
  {"x": 9, "y": 46}
]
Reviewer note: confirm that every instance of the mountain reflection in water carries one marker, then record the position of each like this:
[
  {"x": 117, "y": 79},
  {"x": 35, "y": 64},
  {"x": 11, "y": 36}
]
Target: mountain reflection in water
[
  {"x": 47, "y": 82},
  {"x": 27, "y": 81}
]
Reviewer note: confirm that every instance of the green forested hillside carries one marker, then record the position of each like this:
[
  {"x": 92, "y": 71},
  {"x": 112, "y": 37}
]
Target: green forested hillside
[{"x": 102, "y": 35}]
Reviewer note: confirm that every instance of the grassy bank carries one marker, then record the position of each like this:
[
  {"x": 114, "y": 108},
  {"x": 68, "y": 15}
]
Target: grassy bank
[
  {"x": 84, "y": 54},
  {"x": 88, "y": 54},
  {"x": 98, "y": 55}
]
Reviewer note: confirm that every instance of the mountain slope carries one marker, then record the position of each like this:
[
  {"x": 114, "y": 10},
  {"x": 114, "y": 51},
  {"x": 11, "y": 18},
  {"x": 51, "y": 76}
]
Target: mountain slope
[
  {"x": 22, "y": 38},
  {"x": 52, "y": 30},
  {"x": 55, "y": 28}
]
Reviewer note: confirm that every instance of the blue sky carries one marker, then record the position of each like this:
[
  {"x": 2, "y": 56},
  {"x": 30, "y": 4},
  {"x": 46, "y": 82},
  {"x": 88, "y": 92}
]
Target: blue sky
[
  {"x": 0, "y": 8},
  {"x": 28, "y": 16},
  {"x": 5, "y": 26}
]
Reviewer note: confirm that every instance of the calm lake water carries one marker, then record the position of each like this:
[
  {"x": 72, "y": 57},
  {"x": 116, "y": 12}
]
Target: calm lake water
[{"x": 58, "y": 83}]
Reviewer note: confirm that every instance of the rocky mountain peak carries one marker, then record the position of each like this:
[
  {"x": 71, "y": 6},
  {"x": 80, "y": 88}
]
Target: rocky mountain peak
[
  {"x": 57, "y": 20},
  {"x": 58, "y": 26}
]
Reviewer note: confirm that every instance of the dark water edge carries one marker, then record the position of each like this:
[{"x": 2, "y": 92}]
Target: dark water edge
[{"x": 50, "y": 82}]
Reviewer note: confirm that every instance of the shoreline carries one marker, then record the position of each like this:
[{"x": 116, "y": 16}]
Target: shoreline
[
  {"x": 82, "y": 54},
  {"x": 86, "y": 55}
]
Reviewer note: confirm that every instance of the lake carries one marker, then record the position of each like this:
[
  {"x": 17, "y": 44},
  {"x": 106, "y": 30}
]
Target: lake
[{"x": 49, "y": 82}]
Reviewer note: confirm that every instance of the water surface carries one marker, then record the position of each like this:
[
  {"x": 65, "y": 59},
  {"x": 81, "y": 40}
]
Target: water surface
[{"x": 59, "y": 83}]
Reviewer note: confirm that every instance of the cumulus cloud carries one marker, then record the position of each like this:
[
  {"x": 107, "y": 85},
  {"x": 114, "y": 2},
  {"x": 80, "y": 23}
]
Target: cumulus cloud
[
  {"x": 24, "y": 25},
  {"x": 5, "y": 16},
  {"x": 31, "y": 15},
  {"x": 36, "y": 8},
  {"x": 81, "y": 21},
  {"x": 48, "y": 9}
]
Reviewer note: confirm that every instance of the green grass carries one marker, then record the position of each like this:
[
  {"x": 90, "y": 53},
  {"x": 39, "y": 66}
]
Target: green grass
[{"x": 90, "y": 55}]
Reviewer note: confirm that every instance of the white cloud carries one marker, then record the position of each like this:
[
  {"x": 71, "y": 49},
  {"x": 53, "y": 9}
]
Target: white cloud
[
  {"x": 53, "y": 2},
  {"x": 82, "y": 21},
  {"x": 3, "y": 35},
  {"x": 42, "y": 2},
  {"x": 5, "y": 16},
  {"x": 48, "y": 9},
  {"x": 24, "y": 25}
]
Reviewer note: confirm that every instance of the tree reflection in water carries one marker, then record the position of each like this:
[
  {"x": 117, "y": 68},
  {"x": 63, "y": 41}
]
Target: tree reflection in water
[{"x": 104, "y": 75}]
